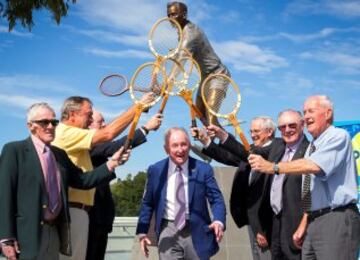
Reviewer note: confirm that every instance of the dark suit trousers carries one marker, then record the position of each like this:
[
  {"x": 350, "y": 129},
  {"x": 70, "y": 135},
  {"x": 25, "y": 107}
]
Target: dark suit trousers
[
  {"x": 97, "y": 242},
  {"x": 281, "y": 248}
]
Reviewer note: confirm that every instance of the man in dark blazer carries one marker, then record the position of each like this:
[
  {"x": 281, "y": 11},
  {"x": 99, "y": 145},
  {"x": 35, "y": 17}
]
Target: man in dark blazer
[
  {"x": 30, "y": 227},
  {"x": 102, "y": 214},
  {"x": 285, "y": 194},
  {"x": 198, "y": 236},
  {"x": 250, "y": 194}
]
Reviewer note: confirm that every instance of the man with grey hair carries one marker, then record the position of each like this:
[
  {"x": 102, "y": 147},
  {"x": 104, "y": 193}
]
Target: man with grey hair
[
  {"x": 329, "y": 187},
  {"x": 177, "y": 190},
  {"x": 285, "y": 192},
  {"x": 34, "y": 181},
  {"x": 250, "y": 194},
  {"x": 76, "y": 139}
]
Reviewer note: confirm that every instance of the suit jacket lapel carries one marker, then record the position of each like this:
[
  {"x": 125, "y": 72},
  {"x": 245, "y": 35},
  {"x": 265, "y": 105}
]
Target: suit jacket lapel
[
  {"x": 163, "y": 182},
  {"x": 191, "y": 178},
  {"x": 301, "y": 150}
]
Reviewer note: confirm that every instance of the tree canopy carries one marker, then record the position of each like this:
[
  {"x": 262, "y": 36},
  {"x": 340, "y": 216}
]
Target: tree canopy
[
  {"x": 22, "y": 10},
  {"x": 128, "y": 194}
]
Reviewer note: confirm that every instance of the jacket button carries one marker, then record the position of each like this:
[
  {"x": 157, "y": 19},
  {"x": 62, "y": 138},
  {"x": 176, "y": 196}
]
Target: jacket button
[
  {"x": 44, "y": 206},
  {"x": 41, "y": 223}
]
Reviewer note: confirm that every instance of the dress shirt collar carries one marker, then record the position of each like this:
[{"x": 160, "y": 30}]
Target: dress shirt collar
[
  {"x": 267, "y": 143},
  {"x": 295, "y": 146},
  {"x": 39, "y": 145},
  {"x": 184, "y": 166}
]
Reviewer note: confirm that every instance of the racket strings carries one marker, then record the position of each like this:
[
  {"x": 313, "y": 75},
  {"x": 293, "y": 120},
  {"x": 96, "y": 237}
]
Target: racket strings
[
  {"x": 192, "y": 76},
  {"x": 165, "y": 38},
  {"x": 113, "y": 85},
  {"x": 147, "y": 79},
  {"x": 174, "y": 75},
  {"x": 221, "y": 95}
]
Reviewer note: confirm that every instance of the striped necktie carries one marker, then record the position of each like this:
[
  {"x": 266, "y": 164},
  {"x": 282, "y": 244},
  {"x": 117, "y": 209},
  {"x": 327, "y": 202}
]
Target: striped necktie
[{"x": 306, "y": 193}]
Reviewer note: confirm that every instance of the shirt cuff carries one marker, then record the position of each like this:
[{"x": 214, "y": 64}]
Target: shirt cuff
[
  {"x": 140, "y": 236},
  {"x": 223, "y": 141},
  {"x": 219, "y": 222}
]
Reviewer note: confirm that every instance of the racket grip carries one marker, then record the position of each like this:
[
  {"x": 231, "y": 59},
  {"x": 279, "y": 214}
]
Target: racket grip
[
  {"x": 245, "y": 142},
  {"x": 127, "y": 144}
]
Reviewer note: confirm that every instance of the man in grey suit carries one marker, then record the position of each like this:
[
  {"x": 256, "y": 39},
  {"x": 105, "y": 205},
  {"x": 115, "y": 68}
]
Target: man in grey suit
[
  {"x": 34, "y": 180},
  {"x": 285, "y": 192}
]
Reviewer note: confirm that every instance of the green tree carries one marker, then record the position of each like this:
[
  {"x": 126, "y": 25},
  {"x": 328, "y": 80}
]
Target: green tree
[
  {"x": 128, "y": 193},
  {"x": 22, "y": 10}
]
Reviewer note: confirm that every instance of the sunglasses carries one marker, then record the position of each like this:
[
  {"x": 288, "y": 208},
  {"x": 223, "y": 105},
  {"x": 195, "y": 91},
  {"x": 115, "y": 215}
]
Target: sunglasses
[
  {"x": 291, "y": 126},
  {"x": 46, "y": 122}
]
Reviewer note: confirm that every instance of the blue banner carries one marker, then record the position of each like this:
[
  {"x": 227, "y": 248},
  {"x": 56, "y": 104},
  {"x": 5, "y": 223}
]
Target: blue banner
[{"x": 353, "y": 127}]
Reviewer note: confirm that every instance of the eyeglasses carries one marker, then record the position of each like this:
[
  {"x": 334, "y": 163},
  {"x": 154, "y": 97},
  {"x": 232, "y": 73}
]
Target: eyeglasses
[
  {"x": 256, "y": 131},
  {"x": 291, "y": 126},
  {"x": 46, "y": 122}
]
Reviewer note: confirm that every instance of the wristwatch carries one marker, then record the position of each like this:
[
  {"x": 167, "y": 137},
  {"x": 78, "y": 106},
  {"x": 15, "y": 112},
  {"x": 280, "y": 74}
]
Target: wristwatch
[
  {"x": 145, "y": 129},
  {"x": 276, "y": 168}
]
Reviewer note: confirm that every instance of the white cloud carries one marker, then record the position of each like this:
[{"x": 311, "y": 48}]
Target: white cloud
[
  {"x": 299, "y": 38},
  {"x": 344, "y": 62},
  {"x": 119, "y": 54},
  {"x": 248, "y": 57},
  {"x": 348, "y": 9},
  {"x": 107, "y": 36},
  {"x": 137, "y": 16},
  {"x": 4, "y": 29},
  {"x": 23, "y": 102},
  {"x": 22, "y": 82},
  {"x": 128, "y": 15}
]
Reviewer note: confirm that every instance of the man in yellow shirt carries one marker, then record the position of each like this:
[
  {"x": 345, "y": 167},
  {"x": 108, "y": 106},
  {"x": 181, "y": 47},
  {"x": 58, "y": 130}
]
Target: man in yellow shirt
[{"x": 73, "y": 136}]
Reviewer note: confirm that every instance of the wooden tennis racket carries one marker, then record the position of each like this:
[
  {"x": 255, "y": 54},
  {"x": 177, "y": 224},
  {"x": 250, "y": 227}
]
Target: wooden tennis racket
[
  {"x": 151, "y": 85},
  {"x": 226, "y": 105},
  {"x": 116, "y": 85},
  {"x": 165, "y": 38}
]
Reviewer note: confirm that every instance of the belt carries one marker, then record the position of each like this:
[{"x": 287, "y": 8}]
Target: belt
[
  {"x": 79, "y": 206},
  {"x": 317, "y": 213}
]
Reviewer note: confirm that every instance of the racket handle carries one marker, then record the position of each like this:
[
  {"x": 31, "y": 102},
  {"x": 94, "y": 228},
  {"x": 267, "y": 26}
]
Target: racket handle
[
  {"x": 127, "y": 144},
  {"x": 125, "y": 147},
  {"x": 163, "y": 104},
  {"x": 244, "y": 141}
]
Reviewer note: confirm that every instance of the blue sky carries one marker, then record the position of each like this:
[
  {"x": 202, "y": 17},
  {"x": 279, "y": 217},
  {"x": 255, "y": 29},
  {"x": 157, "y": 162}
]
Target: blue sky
[{"x": 279, "y": 52}]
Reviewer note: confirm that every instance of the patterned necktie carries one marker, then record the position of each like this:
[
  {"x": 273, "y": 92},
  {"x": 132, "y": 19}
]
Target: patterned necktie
[
  {"x": 52, "y": 181},
  {"x": 180, "y": 203},
  {"x": 277, "y": 186},
  {"x": 306, "y": 194}
]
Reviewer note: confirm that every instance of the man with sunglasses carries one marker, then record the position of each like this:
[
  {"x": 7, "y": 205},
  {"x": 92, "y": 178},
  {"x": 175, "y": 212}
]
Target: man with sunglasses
[
  {"x": 250, "y": 192},
  {"x": 329, "y": 186},
  {"x": 34, "y": 181},
  {"x": 285, "y": 191},
  {"x": 196, "y": 42},
  {"x": 73, "y": 136}
]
